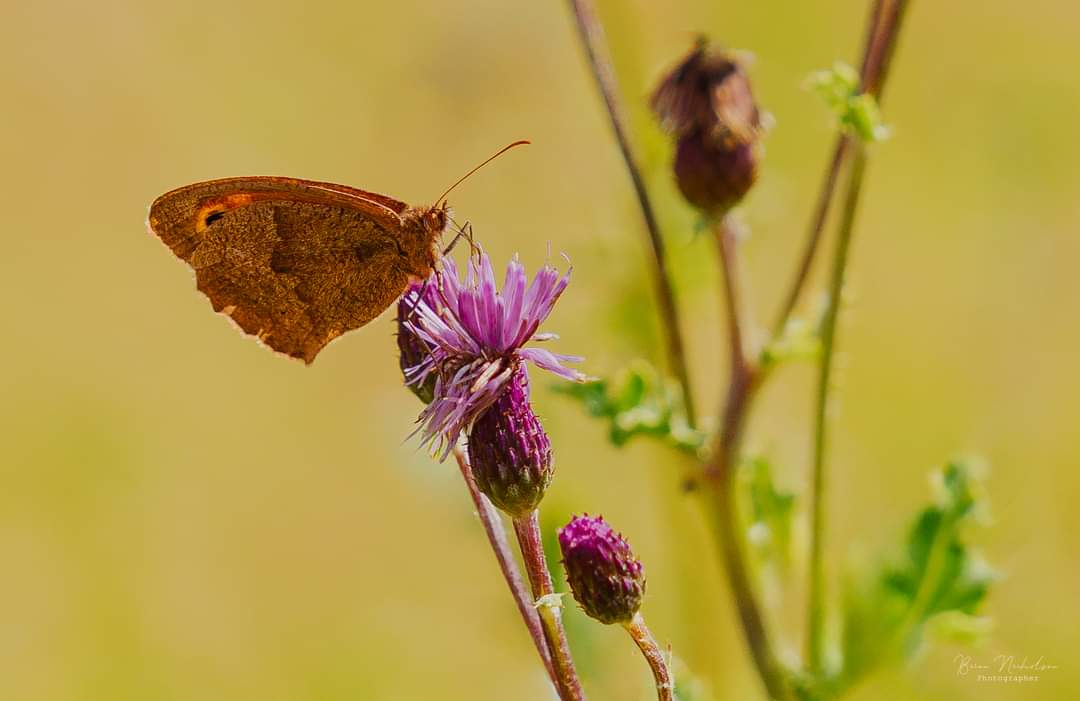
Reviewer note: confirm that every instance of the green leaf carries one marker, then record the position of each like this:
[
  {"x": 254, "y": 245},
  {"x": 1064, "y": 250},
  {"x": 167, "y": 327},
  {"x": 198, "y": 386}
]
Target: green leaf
[
  {"x": 933, "y": 589},
  {"x": 856, "y": 112},
  {"x": 798, "y": 341},
  {"x": 552, "y": 600},
  {"x": 769, "y": 512},
  {"x": 959, "y": 628},
  {"x": 638, "y": 402}
]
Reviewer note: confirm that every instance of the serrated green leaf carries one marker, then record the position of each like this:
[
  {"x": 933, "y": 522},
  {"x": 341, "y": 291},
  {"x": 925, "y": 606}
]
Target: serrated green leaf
[
  {"x": 939, "y": 578},
  {"x": 638, "y": 402}
]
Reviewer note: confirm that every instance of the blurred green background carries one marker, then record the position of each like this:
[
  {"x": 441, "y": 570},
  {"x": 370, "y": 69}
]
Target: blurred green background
[{"x": 184, "y": 515}]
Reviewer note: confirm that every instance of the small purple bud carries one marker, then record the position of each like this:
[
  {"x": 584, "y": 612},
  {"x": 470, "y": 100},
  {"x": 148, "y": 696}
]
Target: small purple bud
[
  {"x": 411, "y": 349},
  {"x": 607, "y": 581},
  {"x": 509, "y": 452}
]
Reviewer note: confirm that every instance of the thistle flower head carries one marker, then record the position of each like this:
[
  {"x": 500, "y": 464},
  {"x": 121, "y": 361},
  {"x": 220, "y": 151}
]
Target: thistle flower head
[
  {"x": 509, "y": 451},
  {"x": 476, "y": 337},
  {"x": 608, "y": 582}
]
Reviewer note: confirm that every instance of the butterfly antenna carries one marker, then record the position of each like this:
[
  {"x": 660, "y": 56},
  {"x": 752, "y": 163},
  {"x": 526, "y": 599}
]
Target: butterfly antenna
[{"x": 442, "y": 198}]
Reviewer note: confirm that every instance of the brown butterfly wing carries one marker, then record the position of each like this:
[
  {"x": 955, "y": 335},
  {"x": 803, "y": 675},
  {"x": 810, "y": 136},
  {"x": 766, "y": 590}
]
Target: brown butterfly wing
[{"x": 295, "y": 263}]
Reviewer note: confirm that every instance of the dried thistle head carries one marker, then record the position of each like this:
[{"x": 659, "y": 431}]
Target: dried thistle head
[
  {"x": 709, "y": 91},
  {"x": 713, "y": 175},
  {"x": 708, "y": 106}
]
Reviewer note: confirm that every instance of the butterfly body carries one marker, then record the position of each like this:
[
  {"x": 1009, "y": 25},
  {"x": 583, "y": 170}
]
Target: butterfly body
[{"x": 297, "y": 263}]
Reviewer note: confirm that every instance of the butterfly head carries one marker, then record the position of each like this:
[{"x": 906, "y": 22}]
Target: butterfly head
[
  {"x": 436, "y": 219},
  {"x": 420, "y": 242}
]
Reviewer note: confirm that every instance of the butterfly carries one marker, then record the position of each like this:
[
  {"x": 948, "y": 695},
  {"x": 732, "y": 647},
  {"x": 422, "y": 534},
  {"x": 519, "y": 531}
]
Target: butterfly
[{"x": 297, "y": 263}]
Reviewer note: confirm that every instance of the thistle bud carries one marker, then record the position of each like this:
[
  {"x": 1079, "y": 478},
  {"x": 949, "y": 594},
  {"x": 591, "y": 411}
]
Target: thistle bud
[
  {"x": 509, "y": 451},
  {"x": 606, "y": 579},
  {"x": 709, "y": 90},
  {"x": 707, "y": 104},
  {"x": 714, "y": 175},
  {"x": 411, "y": 349}
]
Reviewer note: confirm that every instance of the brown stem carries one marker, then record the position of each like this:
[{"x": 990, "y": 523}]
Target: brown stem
[
  {"x": 814, "y": 233},
  {"x": 665, "y": 684},
  {"x": 727, "y": 239},
  {"x": 527, "y": 529},
  {"x": 722, "y": 498},
  {"x": 497, "y": 538},
  {"x": 591, "y": 33},
  {"x": 879, "y": 45},
  {"x": 879, "y": 54},
  {"x": 719, "y": 473}
]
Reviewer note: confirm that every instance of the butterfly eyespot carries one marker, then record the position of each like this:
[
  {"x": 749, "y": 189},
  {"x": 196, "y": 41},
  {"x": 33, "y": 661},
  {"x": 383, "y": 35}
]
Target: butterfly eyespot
[{"x": 207, "y": 215}]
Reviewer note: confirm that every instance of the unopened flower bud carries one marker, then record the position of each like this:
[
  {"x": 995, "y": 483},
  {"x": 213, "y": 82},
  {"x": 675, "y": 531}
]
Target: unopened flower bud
[
  {"x": 707, "y": 104},
  {"x": 709, "y": 91},
  {"x": 606, "y": 579},
  {"x": 714, "y": 175},
  {"x": 509, "y": 451},
  {"x": 411, "y": 349}
]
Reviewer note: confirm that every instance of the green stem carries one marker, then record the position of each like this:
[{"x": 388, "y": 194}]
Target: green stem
[
  {"x": 527, "y": 529},
  {"x": 930, "y": 583},
  {"x": 643, "y": 637},
  {"x": 816, "y": 603},
  {"x": 885, "y": 23},
  {"x": 591, "y": 33},
  {"x": 882, "y": 28},
  {"x": 814, "y": 234}
]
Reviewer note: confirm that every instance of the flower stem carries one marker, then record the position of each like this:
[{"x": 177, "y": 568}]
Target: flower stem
[
  {"x": 665, "y": 684},
  {"x": 497, "y": 538},
  {"x": 816, "y": 598},
  {"x": 719, "y": 473},
  {"x": 738, "y": 317},
  {"x": 591, "y": 33},
  {"x": 878, "y": 48},
  {"x": 527, "y": 529},
  {"x": 886, "y": 20},
  {"x": 814, "y": 234}
]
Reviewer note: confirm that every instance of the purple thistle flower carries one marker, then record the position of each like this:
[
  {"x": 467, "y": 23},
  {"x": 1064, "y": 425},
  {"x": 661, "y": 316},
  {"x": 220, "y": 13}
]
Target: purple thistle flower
[
  {"x": 476, "y": 338},
  {"x": 509, "y": 451},
  {"x": 607, "y": 580}
]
